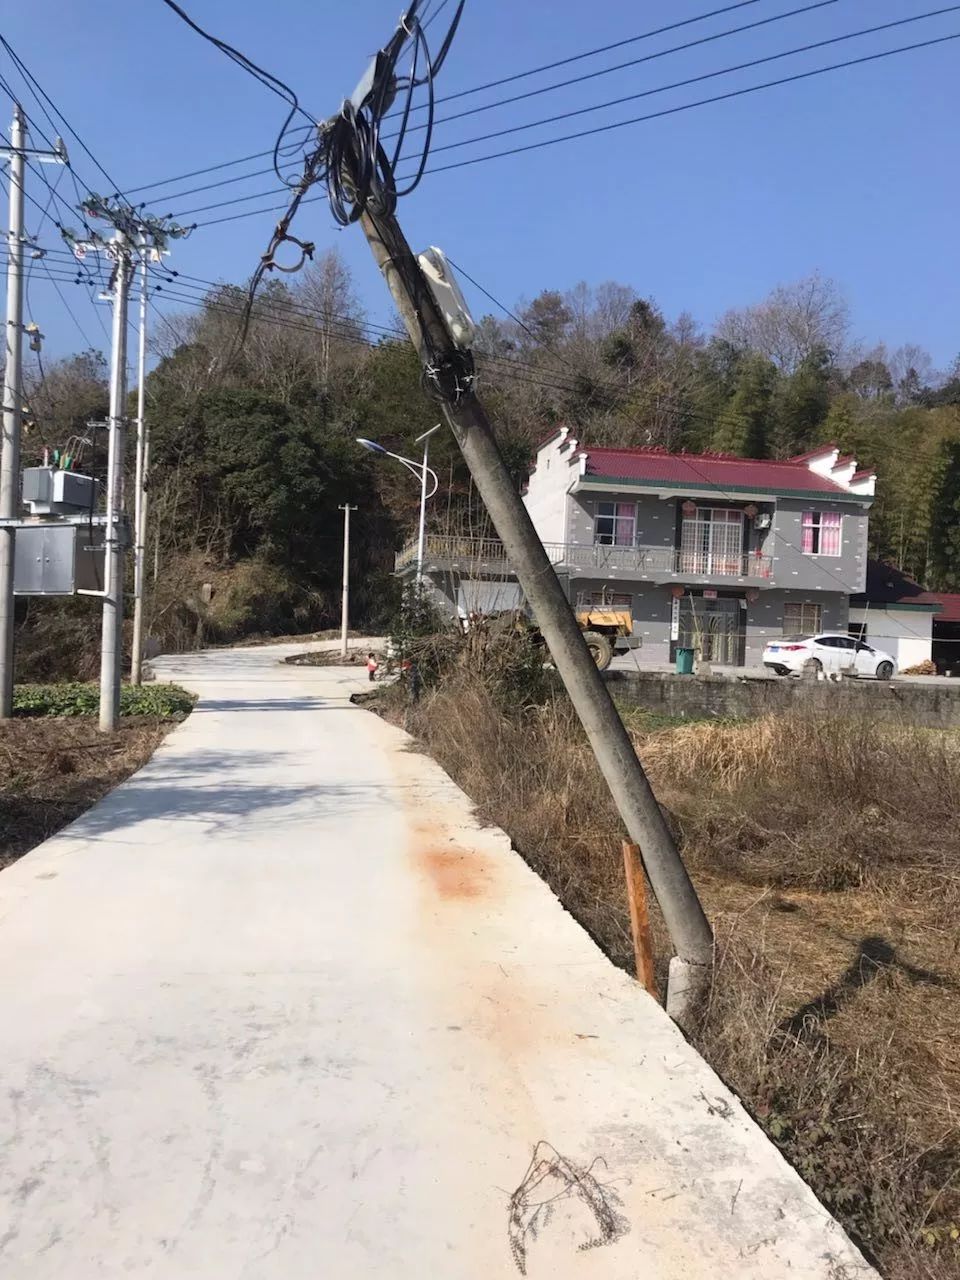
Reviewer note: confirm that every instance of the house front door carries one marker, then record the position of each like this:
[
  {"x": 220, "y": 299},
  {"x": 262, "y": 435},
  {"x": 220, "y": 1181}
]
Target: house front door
[{"x": 714, "y": 628}]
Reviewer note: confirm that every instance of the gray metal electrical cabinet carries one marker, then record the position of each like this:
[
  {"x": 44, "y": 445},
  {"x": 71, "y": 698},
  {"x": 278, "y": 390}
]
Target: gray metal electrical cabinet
[
  {"x": 57, "y": 560},
  {"x": 50, "y": 491}
]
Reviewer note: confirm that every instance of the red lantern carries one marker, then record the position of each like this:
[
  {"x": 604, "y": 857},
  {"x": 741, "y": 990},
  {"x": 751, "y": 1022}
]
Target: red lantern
[
  {"x": 750, "y": 511},
  {"x": 689, "y": 508},
  {"x": 677, "y": 591},
  {"x": 753, "y": 595}
]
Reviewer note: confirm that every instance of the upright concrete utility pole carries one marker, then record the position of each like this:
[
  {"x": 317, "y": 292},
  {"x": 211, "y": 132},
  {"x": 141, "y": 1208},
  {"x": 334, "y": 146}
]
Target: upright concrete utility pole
[
  {"x": 422, "y": 529},
  {"x": 142, "y": 472},
  {"x": 16, "y": 154},
  {"x": 12, "y": 405},
  {"x": 345, "y": 598},
  {"x": 689, "y": 930},
  {"x": 112, "y": 630},
  {"x": 150, "y": 235}
]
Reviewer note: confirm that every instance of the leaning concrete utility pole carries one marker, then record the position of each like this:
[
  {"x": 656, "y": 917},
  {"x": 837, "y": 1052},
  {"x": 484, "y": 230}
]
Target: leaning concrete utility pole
[
  {"x": 345, "y": 597},
  {"x": 140, "y": 497},
  {"x": 16, "y": 154},
  {"x": 691, "y": 967},
  {"x": 114, "y": 534}
]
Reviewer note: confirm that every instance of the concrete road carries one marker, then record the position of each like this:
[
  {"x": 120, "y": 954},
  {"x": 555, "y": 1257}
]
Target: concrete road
[{"x": 279, "y": 1009}]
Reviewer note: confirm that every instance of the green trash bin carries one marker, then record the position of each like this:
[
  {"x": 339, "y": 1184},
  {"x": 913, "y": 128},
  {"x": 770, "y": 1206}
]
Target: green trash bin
[{"x": 684, "y": 662}]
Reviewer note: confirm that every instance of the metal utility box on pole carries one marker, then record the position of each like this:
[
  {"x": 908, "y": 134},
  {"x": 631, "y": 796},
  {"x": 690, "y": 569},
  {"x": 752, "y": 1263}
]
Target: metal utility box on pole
[
  {"x": 689, "y": 929},
  {"x": 114, "y": 532},
  {"x": 16, "y": 154},
  {"x": 345, "y": 597}
]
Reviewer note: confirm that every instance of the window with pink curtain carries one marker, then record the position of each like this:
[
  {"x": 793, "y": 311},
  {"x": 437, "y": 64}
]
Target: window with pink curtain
[
  {"x": 616, "y": 524},
  {"x": 821, "y": 533}
]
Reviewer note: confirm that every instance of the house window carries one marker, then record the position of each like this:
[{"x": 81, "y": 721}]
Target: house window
[
  {"x": 711, "y": 541},
  {"x": 616, "y": 524},
  {"x": 821, "y": 533},
  {"x": 800, "y": 619},
  {"x": 859, "y": 631}
]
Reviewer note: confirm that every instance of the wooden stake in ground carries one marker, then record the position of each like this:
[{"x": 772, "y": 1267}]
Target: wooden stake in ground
[{"x": 639, "y": 918}]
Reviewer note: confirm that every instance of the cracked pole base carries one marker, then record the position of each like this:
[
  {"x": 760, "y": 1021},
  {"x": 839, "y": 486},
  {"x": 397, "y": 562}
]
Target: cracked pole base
[{"x": 687, "y": 984}]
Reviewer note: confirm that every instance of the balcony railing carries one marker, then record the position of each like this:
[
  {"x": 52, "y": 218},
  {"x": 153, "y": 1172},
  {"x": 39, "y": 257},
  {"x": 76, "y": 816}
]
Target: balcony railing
[
  {"x": 455, "y": 552},
  {"x": 654, "y": 563}
]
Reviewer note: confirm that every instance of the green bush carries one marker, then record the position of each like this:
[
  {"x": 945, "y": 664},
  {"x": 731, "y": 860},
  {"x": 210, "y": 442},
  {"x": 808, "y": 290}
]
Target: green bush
[{"x": 163, "y": 701}]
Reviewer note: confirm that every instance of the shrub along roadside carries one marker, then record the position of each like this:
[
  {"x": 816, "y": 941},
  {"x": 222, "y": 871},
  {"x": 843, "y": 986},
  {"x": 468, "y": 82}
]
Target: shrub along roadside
[
  {"x": 826, "y": 853},
  {"x": 161, "y": 701}
]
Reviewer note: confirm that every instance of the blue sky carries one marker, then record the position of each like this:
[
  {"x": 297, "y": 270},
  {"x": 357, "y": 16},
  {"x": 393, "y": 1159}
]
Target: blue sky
[{"x": 852, "y": 173}]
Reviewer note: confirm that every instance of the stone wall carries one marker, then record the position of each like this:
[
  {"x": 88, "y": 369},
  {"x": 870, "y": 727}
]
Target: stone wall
[{"x": 935, "y": 706}]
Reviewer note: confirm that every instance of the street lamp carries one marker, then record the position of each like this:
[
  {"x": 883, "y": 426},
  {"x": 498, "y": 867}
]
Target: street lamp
[{"x": 421, "y": 470}]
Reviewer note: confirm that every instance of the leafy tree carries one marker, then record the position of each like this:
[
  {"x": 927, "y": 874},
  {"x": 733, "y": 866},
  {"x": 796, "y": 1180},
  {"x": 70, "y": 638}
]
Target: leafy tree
[
  {"x": 870, "y": 379},
  {"x": 949, "y": 393},
  {"x": 548, "y": 317},
  {"x": 801, "y": 404},
  {"x": 743, "y": 425},
  {"x": 945, "y": 519}
]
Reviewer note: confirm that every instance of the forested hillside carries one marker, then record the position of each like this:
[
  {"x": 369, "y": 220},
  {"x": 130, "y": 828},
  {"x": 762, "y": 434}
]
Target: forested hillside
[{"x": 254, "y": 441}]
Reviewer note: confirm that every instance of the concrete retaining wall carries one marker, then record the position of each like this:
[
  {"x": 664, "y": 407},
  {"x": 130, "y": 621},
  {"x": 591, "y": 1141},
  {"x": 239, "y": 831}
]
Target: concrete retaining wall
[{"x": 935, "y": 706}]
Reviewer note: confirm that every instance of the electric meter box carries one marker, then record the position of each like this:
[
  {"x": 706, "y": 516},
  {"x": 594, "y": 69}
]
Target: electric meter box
[
  {"x": 50, "y": 491},
  {"x": 446, "y": 293},
  {"x": 57, "y": 559}
]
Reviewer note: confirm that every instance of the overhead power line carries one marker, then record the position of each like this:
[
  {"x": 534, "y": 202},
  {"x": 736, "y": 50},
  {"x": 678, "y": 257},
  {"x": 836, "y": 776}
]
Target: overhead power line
[
  {"x": 214, "y": 168},
  {"x": 698, "y": 79},
  {"x": 591, "y": 53},
  {"x": 301, "y": 323},
  {"x": 618, "y": 124},
  {"x": 817, "y": 4},
  {"x": 41, "y": 94},
  {"x": 690, "y": 106},
  {"x": 269, "y": 81},
  {"x": 266, "y": 78},
  {"x": 534, "y": 93},
  {"x": 635, "y": 62}
]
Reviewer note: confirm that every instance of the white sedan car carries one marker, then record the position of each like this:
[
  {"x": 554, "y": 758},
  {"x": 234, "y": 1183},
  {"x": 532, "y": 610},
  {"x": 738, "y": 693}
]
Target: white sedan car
[{"x": 831, "y": 652}]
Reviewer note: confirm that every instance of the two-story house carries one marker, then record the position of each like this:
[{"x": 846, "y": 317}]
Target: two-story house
[{"x": 709, "y": 551}]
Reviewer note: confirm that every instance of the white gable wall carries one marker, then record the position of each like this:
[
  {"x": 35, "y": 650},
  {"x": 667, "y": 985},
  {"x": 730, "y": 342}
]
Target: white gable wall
[{"x": 556, "y": 467}]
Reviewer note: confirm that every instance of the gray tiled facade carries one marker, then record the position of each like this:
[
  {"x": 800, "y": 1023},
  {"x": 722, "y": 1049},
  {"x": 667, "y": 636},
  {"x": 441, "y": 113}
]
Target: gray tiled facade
[
  {"x": 688, "y": 585},
  {"x": 796, "y": 577}
]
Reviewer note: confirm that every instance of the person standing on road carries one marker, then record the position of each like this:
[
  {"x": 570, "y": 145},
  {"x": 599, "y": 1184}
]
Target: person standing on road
[{"x": 372, "y": 667}]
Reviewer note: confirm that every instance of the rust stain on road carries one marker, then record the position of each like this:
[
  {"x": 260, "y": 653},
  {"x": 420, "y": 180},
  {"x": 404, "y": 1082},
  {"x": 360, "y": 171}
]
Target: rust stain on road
[{"x": 455, "y": 874}]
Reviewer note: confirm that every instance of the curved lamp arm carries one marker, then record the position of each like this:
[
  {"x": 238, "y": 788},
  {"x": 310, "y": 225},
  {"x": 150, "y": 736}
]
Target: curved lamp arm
[{"x": 416, "y": 468}]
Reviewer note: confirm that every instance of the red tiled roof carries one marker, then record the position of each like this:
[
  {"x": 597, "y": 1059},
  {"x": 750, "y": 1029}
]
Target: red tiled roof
[
  {"x": 949, "y": 602},
  {"x": 714, "y": 470}
]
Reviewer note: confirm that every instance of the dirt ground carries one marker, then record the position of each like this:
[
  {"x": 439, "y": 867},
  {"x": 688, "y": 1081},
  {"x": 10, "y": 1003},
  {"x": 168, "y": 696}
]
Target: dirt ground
[{"x": 53, "y": 769}]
